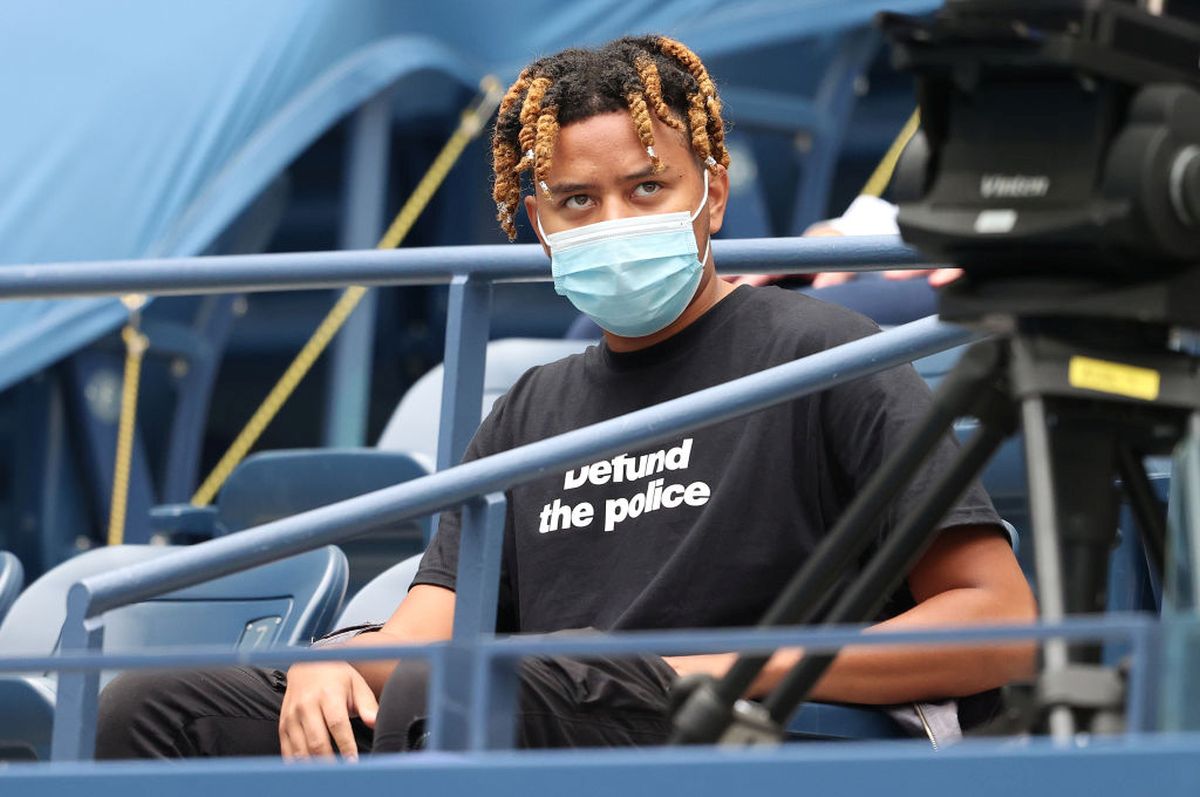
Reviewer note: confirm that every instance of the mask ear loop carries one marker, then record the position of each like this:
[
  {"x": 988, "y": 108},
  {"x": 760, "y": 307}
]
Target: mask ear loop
[
  {"x": 703, "y": 199},
  {"x": 696, "y": 215}
]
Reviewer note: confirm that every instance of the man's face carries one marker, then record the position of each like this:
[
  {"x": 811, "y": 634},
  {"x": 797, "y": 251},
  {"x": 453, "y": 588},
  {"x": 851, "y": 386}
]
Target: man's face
[{"x": 601, "y": 171}]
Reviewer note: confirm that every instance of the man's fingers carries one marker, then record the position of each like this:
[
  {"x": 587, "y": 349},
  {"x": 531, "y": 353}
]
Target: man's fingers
[
  {"x": 293, "y": 732},
  {"x": 364, "y": 702},
  {"x": 822, "y": 229},
  {"x": 287, "y": 731},
  {"x": 944, "y": 276},
  {"x": 906, "y": 274},
  {"x": 315, "y": 733},
  {"x": 337, "y": 720},
  {"x": 285, "y": 745}
]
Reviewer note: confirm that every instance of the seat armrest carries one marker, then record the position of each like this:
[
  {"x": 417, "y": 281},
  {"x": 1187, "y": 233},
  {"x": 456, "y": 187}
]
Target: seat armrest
[{"x": 184, "y": 523}]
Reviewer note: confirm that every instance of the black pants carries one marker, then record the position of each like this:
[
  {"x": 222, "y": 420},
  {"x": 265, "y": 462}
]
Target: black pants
[{"x": 235, "y": 711}]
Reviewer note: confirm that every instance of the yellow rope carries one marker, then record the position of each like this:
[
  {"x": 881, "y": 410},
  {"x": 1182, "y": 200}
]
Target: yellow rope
[
  {"x": 882, "y": 175},
  {"x": 470, "y": 125},
  {"x": 135, "y": 347}
]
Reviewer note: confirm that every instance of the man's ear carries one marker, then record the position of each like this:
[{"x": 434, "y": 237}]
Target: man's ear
[
  {"x": 718, "y": 195},
  {"x": 531, "y": 214}
]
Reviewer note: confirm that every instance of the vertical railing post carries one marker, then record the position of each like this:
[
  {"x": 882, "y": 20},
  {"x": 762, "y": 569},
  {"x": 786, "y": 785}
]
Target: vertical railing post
[
  {"x": 458, "y": 689},
  {"x": 348, "y": 387},
  {"x": 1141, "y": 708},
  {"x": 495, "y": 703},
  {"x": 468, "y": 324},
  {"x": 74, "y": 735}
]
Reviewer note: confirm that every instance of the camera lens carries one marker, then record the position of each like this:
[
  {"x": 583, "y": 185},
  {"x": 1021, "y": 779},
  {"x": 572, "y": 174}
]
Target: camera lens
[{"x": 1185, "y": 185}]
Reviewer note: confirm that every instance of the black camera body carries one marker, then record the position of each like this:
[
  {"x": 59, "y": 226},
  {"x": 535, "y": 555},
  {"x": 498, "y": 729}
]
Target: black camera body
[{"x": 1056, "y": 135}]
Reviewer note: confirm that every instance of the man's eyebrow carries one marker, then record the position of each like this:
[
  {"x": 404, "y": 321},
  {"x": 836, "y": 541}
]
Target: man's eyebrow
[{"x": 571, "y": 188}]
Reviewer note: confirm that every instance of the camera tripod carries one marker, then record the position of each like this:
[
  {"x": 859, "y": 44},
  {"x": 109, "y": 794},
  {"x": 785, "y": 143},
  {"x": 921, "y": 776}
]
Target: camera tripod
[{"x": 1089, "y": 375}]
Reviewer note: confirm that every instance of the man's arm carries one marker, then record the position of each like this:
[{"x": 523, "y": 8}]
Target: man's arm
[
  {"x": 322, "y": 697},
  {"x": 968, "y": 576},
  {"x": 425, "y": 615}
]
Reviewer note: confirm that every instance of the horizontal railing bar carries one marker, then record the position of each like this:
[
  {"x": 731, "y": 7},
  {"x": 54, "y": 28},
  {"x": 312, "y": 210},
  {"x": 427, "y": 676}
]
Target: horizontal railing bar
[
  {"x": 812, "y": 639},
  {"x": 663, "y": 642},
  {"x": 449, "y": 488},
  {"x": 1165, "y": 763},
  {"x": 413, "y": 266},
  {"x": 200, "y": 656}
]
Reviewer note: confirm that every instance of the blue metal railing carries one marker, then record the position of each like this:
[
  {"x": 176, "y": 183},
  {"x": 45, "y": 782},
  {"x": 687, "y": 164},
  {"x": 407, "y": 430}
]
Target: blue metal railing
[
  {"x": 469, "y": 270},
  {"x": 474, "y": 675},
  {"x": 430, "y": 265}
]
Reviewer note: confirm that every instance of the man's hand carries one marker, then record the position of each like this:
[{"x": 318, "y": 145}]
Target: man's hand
[{"x": 321, "y": 698}]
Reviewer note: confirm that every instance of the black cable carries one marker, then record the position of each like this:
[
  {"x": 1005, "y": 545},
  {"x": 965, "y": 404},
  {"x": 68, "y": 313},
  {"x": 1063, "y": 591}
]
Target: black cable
[{"x": 1148, "y": 510}]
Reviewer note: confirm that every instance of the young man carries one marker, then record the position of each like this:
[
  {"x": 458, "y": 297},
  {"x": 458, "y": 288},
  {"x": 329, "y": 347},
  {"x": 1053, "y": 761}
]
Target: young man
[{"x": 624, "y": 145}]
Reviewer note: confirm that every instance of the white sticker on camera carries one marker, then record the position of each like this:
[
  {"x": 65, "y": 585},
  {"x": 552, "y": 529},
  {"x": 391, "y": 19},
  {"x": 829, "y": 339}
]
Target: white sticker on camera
[{"x": 995, "y": 222}]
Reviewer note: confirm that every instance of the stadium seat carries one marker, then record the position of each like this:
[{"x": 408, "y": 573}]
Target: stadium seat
[
  {"x": 376, "y": 601},
  {"x": 12, "y": 578},
  {"x": 413, "y": 426},
  {"x": 285, "y": 602},
  {"x": 276, "y": 484}
]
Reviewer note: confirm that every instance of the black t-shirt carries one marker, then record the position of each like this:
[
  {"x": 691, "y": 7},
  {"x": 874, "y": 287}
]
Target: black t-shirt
[{"x": 703, "y": 530}]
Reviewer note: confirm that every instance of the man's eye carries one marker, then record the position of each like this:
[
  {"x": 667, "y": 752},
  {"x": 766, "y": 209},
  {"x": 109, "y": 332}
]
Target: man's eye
[
  {"x": 647, "y": 189},
  {"x": 577, "y": 201}
]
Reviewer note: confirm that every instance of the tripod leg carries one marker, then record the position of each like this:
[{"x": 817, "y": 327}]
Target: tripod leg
[
  {"x": 1045, "y": 548},
  {"x": 1083, "y": 508},
  {"x": 891, "y": 565},
  {"x": 1087, "y": 509},
  {"x": 703, "y": 718}
]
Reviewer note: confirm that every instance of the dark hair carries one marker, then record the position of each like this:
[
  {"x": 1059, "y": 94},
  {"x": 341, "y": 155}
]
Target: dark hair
[{"x": 640, "y": 74}]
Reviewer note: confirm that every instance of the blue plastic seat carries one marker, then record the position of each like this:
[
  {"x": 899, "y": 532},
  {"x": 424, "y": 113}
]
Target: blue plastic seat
[
  {"x": 12, "y": 578},
  {"x": 376, "y": 601},
  {"x": 276, "y": 484},
  {"x": 413, "y": 426},
  {"x": 285, "y": 603}
]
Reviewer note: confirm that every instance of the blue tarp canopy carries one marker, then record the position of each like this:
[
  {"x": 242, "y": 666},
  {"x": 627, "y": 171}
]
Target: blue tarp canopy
[{"x": 137, "y": 128}]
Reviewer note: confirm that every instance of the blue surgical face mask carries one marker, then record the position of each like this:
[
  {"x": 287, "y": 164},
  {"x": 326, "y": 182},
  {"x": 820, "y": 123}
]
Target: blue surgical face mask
[{"x": 632, "y": 276}]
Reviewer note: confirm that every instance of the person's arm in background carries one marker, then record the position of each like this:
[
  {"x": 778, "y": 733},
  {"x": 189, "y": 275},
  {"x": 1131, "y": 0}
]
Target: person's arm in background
[{"x": 867, "y": 215}]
